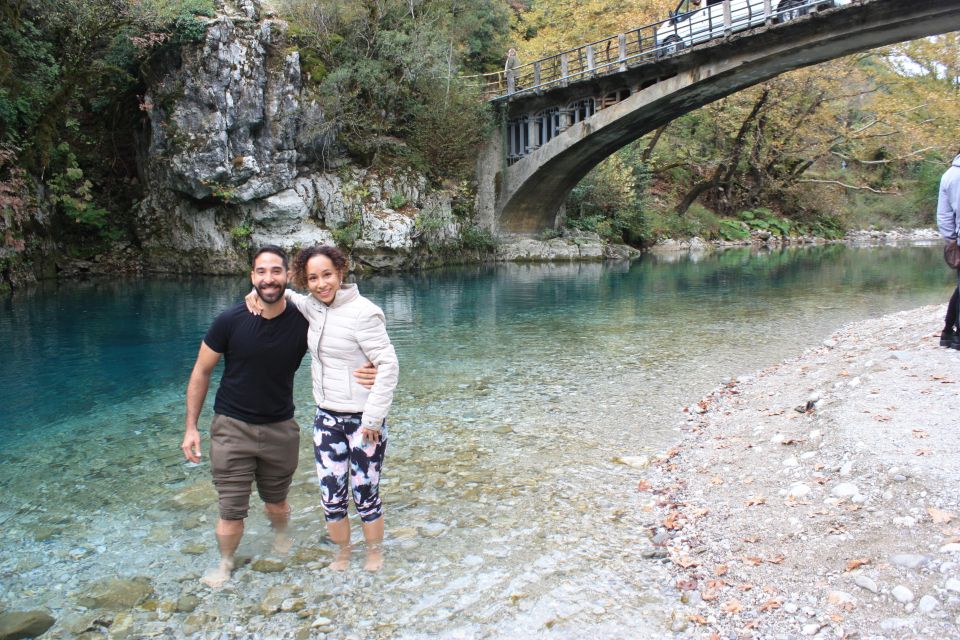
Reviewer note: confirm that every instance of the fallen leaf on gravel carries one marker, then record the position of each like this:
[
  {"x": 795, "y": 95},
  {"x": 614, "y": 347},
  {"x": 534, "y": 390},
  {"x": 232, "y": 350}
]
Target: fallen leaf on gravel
[
  {"x": 881, "y": 418},
  {"x": 777, "y": 559},
  {"x": 920, "y": 434},
  {"x": 733, "y": 606},
  {"x": 697, "y": 618},
  {"x": 778, "y": 412},
  {"x": 709, "y": 594},
  {"x": 686, "y": 584},
  {"x": 745, "y": 587},
  {"x": 755, "y": 561},
  {"x": 698, "y": 513},
  {"x": 673, "y": 521},
  {"x": 716, "y": 480},
  {"x": 939, "y": 516},
  {"x": 922, "y": 452},
  {"x": 756, "y": 500},
  {"x": 751, "y": 539},
  {"x": 669, "y": 453},
  {"x": 771, "y": 605},
  {"x": 721, "y": 570},
  {"x": 752, "y": 624},
  {"x": 844, "y": 373},
  {"x": 716, "y": 584},
  {"x": 856, "y": 563},
  {"x": 748, "y": 480},
  {"x": 836, "y": 617},
  {"x": 685, "y": 561},
  {"x": 644, "y": 485}
]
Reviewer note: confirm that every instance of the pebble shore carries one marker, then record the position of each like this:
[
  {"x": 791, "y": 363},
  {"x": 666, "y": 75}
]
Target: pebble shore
[{"x": 818, "y": 498}]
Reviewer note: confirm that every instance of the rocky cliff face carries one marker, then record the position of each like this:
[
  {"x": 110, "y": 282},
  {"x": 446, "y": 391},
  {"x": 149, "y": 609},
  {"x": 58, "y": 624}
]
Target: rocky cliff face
[{"x": 229, "y": 163}]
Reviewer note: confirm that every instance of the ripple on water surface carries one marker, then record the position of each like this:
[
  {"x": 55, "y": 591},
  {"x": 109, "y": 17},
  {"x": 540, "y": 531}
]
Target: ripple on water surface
[{"x": 505, "y": 513}]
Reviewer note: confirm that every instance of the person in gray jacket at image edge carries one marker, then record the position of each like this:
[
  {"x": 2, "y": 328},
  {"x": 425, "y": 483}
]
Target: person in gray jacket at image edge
[{"x": 948, "y": 220}]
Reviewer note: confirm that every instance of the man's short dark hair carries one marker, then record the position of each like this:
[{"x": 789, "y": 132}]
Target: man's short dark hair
[{"x": 274, "y": 249}]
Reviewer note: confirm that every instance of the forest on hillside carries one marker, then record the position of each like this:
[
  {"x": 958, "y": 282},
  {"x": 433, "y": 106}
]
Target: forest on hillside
[{"x": 854, "y": 142}]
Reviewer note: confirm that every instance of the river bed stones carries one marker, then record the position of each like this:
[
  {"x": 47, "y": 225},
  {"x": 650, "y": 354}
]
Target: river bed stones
[{"x": 857, "y": 533}]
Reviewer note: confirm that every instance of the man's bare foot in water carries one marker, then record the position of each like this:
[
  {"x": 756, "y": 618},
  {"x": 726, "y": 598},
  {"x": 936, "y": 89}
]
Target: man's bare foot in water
[
  {"x": 216, "y": 578},
  {"x": 342, "y": 561},
  {"x": 282, "y": 543},
  {"x": 374, "y": 561}
]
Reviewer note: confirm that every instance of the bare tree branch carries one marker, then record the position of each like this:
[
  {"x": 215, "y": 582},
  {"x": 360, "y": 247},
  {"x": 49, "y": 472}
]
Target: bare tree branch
[{"x": 850, "y": 186}]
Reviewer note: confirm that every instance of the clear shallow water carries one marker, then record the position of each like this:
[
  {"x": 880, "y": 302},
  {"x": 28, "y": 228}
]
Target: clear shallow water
[{"x": 520, "y": 384}]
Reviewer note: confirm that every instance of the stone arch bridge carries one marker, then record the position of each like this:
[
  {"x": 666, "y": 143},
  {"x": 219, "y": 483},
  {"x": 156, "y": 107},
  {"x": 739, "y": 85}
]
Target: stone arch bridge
[{"x": 563, "y": 115}]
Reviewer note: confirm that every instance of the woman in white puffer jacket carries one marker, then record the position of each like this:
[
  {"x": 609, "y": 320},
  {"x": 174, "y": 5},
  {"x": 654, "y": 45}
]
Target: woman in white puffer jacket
[{"x": 349, "y": 431}]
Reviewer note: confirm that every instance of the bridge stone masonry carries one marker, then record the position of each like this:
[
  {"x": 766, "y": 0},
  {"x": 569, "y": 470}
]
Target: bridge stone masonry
[{"x": 562, "y": 116}]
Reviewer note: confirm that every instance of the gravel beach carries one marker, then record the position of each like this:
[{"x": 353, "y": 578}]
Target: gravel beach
[{"x": 818, "y": 497}]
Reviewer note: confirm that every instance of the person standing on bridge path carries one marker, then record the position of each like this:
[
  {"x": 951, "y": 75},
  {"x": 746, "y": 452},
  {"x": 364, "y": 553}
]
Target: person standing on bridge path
[
  {"x": 510, "y": 70},
  {"x": 948, "y": 220}
]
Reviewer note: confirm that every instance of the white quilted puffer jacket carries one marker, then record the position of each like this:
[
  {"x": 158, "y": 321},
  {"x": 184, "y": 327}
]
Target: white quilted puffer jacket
[{"x": 342, "y": 337}]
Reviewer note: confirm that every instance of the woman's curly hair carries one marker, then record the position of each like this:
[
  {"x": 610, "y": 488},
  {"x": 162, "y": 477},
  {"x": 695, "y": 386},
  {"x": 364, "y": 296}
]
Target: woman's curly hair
[{"x": 336, "y": 256}]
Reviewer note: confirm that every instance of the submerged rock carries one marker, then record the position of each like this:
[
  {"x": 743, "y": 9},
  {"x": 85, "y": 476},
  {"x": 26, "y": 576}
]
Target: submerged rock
[
  {"x": 24, "y": 624},
  {"x": 115, "y": 593}
]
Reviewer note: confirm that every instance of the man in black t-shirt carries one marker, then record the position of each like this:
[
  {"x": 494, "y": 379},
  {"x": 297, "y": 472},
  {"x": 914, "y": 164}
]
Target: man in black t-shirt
[{"x": 254, "y": 437}]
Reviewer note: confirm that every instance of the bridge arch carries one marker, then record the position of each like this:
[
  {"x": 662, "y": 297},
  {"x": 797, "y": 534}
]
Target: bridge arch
[{"x": 530, "y": 188}]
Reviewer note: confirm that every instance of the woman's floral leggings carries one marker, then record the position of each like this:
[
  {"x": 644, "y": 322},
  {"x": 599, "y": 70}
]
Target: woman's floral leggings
[{"x": 343, "y": 461}]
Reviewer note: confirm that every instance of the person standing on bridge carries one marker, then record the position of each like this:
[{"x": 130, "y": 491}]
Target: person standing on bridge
[
  {"x": 510, "y": 70},
  {"x": 948, "y": 219}
]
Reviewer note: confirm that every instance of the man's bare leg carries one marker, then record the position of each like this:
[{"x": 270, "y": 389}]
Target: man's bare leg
[
  {"x": 373, "y": 535},
  {"x": 279, "y": 515},
  {"x": 229, "y": 533},
  {"x": 340, "y": 535}
]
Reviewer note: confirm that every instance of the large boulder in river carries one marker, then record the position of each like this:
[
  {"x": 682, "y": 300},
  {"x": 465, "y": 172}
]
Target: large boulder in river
[
  {"x": 115, "y": 593},
  {"x": 24, "y": 624}
]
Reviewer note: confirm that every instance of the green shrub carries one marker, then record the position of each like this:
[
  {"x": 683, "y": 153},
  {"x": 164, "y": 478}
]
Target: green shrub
[
  {"x": 733, "y": 230},
  {"x": 397, "y": 201},
  {"x": 473, "y": 237}
]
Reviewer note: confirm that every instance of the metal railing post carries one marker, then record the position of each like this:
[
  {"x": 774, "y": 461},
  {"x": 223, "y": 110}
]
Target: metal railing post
[
  {"x": 564, "y": 68},
  {"x": 622, "y": 51},
  {"x": 727, "y": 18},
  {"x": 590, "y": 62},
  {"x": 511, "y": 81},
  {"x": 767, "y": 11},
  {"x": 536, "y": 73}
]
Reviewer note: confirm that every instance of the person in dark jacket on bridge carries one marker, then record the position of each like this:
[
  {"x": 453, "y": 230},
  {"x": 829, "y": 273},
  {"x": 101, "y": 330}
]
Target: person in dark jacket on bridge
[{"x": 948, "y": 220}]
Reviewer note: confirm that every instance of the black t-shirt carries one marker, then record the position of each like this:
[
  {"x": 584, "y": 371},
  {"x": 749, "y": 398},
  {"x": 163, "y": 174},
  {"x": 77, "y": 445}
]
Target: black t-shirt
[{"x": 260, "y": 358}]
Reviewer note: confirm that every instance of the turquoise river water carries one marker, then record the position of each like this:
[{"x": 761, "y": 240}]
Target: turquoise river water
[{"x": 507, "y": 512}]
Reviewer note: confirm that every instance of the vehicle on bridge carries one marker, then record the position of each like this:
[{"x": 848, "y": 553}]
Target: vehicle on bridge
[{"x": 696, "y": 21}]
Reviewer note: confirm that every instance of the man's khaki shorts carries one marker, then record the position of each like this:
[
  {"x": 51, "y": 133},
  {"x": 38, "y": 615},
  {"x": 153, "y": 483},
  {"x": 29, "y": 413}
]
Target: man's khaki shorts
[{"x": 242, "y": 453}]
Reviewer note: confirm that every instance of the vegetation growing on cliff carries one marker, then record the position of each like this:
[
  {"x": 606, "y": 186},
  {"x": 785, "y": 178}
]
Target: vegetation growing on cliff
[
  {"x": 387, "y": 74},
  {"x": 70, "y": 74}
]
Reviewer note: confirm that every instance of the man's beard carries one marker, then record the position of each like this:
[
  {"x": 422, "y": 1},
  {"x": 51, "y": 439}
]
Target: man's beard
[{"x": 273, "y": 295}]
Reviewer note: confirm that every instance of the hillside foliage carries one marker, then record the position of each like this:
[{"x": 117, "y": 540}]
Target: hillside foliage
[{"x": 853, "y": 142}]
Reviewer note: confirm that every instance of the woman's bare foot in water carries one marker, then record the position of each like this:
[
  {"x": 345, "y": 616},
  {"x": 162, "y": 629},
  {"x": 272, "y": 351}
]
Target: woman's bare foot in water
[
  {"x": 374, "y": 561},
  {"x": 216, "y": 578},
  {"x": 342, "y": 561}
]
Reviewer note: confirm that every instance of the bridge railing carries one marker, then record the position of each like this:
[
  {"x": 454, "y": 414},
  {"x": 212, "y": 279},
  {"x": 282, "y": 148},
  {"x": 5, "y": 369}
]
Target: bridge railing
[{"x": 643, "y": 44}]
